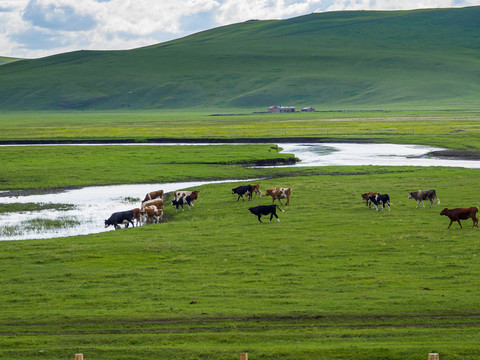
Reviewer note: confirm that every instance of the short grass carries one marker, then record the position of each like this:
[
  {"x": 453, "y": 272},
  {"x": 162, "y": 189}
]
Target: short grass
[
  {"x": 331, "y": 280},
  {"x": 49, "y": 167}
]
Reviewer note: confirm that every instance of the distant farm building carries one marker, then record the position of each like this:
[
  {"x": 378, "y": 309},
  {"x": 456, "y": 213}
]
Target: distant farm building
[
  {"x": 308, "y": 109},
  {"x": 281, "y": 109}
]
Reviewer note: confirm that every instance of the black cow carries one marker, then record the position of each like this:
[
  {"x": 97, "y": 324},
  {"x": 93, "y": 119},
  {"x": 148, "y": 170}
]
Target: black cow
[
  {"x": 265, "y": 210},
  {"x": 243, "y": 190},
  {"x": 381, "y": 199},
  {"x": 184, "y": 200},
  {"x": 121, "y": 217}
]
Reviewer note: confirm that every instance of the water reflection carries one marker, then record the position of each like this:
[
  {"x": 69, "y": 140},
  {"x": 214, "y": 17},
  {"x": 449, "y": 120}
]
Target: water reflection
[{"x": 370, "y": 154}]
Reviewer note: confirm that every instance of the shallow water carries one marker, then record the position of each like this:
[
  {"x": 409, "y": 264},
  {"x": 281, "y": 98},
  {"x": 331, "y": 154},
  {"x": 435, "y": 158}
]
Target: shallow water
[
  {"x": 94, "y": 204},
  {"x": 370, "y": 154}
]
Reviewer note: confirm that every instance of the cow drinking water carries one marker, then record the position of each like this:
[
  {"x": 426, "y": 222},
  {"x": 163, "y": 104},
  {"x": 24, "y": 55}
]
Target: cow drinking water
[{"x": 121, "y": 217}]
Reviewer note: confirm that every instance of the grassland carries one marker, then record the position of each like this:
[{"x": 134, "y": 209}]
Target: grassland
[
  {"x": 331, "y": 280},
  {"x": 423, "y": 59}
]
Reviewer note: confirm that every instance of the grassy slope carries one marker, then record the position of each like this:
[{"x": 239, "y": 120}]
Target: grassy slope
[
  {"x": 329, "y": 60},
  {"x": 6, "y": 60}
]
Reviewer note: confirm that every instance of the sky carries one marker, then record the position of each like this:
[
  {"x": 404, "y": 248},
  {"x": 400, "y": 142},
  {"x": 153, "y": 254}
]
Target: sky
[{"x": 38, "y": 28}]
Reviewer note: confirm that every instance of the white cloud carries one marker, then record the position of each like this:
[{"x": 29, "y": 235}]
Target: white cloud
[{"x": 34, "y": 28}]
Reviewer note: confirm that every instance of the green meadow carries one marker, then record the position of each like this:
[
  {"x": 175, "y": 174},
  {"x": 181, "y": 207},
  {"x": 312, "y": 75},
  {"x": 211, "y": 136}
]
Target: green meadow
[
  {"x": 331, "y": 280},
  {"x": 422, "y": 59}
]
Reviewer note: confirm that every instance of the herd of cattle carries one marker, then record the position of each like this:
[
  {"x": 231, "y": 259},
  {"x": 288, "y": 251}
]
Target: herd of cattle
[
  {"x": 151, "y": 208},
  {"x": 420, "y": 196}
]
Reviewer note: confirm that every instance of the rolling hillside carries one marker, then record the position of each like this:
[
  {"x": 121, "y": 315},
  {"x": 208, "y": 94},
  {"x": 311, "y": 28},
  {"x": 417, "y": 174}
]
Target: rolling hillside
[{"x": 399, "y": 59}]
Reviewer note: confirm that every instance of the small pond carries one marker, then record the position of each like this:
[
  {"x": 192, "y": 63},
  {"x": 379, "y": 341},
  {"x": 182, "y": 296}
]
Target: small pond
[{"x": 88, "y": 207}]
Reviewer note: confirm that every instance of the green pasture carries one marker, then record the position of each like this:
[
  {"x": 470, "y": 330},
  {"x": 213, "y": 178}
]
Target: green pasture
[
  {"x": 331, "y": 280},
  {"x": 451, "y": 129}
]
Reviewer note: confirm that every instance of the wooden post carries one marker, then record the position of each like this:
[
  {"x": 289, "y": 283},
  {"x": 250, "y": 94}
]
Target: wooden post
[
  {"x": 78, "y": 356},
  {"x": 244, "y": 356},
  {"x": 433, "y": 356}
]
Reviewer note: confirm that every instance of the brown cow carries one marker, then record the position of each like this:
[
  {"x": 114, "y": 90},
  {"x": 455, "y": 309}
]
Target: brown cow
[
  {"x": 365, "y": 196},
  {"x": 152, "y": 195},
  {"x": 279, "y": 193},
  {"x": 136, "y": 216},
  {"x": 155, "y": 202},
  {"x": 461, "y": 214},
  {"x": 152, "y": 214},
  {"x": 256, "y": 189}
]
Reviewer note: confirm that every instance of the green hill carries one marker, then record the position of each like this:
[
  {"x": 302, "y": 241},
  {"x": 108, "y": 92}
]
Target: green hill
[
  {"x": 420, "y": 58},
  {"x": 6, "y": 60}
]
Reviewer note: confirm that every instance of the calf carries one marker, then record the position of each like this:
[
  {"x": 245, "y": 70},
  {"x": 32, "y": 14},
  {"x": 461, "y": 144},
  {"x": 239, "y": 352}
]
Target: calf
[
  {"x": 265, "y": 210},
  {"x": 182, "y": 201},
  {"x": 279, "y": 193},
  {"x": 421, "y": 195},
  {"x": 461, "y": 214},
  {"x": 120, "y": 217},
  {"x": 243, "y": 190},
  {"x": 381, "y": 199},
  {"x": 365, "y": 196}
]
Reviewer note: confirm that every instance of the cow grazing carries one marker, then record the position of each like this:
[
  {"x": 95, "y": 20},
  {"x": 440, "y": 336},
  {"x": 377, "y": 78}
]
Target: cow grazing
[
  {"x": 256, "y": 190},
  {"x": 243, "y": 190},
  {"x": 461, "y": 214},
  {"x": 421, "y": 195},
  {"x": 279, "y": 193},
  {"x": 152, "y": 214},
  {"x": 365, "y": 197},
  {"x": 381, "y": 199},
  {"x": 193, "y": 195},
  {"x": 155, "y": 202},
  {"x": 265, "y": 210},
  {"x": 121, "y": 217},
  {"x": 184, "y": 200}
]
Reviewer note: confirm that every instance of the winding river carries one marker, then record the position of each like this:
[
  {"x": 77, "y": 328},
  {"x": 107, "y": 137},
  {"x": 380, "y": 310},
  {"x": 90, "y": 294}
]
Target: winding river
[{"x": 94, "y": 203}]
